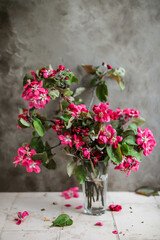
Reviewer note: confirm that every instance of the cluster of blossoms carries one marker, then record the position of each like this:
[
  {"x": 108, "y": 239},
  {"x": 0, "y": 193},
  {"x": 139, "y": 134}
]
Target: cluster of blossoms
[
  {"x": 109, "y": 136},
  {"x": 24, "y": 158},
  {"x": 128, "y": 163},
  {"x": 145, "y": 140},
  {"x": 35, "y": 93},
  {"x": 103, "y": 114}
]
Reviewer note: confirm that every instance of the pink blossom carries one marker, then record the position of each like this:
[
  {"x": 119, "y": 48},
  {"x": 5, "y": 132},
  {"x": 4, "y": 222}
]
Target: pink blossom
[
  {"x": 109, "y": 66},
  {"x": 21, "y": 217},
  {"x": 79, "y": 207},
  {"x": 58, "y": 126},
  {"x": 71, "y": 192},
  {"x": 32, "y": 166},
  {"x": 87, "y": 152},
  {"x": 66, "y": 139},
  {"x": 61, "y": 67},
  {"x": 128, "y": 163},
  {"x": 101, "y": 112},
  {"x": 128, "y": 113},
  {"x": 99, "y": 224},
  {"x": 145, "y": 140},
  {"x": 115, "y": 208},
  {"x": 77, "y": 109},
  {"x": 78, "y": 141},
  {"x": 114, "y": 232},
  {"x": 46, "y": 73},
  {"x": 68, "y": 205},
  {"x": 113, "y": 115},
  {"x": 24, "y": 158},
  {"x": 114, "y": 141}
]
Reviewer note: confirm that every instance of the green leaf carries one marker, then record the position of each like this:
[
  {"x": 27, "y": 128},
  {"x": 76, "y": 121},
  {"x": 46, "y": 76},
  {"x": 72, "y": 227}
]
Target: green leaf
[
  {"x": 25, "y": 123},
  {"x": 33, "y": 133},
  {"x": 40, "y": 156},
  {"x": 65, "y": 105},
  {"x": 94, "y": 81},
  {"x": 72, "y": 79},
  {"x": 66, "y": 117},
  {"x": 133, "y": 127},
  {"x": 37, "y": 144},
  {"x": 80, "y": 173},
  {"x": 131, "y": 140},
  {"x": 78, "y": 101},
  {"x": 69, "y": 124},
  {"x": 50, "y": 165},
  {"x": 38, "y": 127},
  {"x": 106, "y": 160},
  {"x": 97, "y": 127},
  {"x": 68, "y": 93},
  {"x": 118, "y": 74},
  {"x": 53, "y": 94},
  {"x": 102, "y": 92},
  {"x": 62, "y": 220},
  {"x": 139, "y": 121},
  {"x": 146, "y": 191},
  {"x": 21, "y": 125},
  {"x": 79, "y": 91},
  {"x": 124, "y": 148},
  {"x": 70, "y": 168},
  {"x": 114, "y": 154},
  {"x": 132, "y": 152}
]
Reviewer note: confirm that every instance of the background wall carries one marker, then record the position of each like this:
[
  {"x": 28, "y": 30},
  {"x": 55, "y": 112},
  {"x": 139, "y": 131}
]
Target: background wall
[{"x": 37, "y": 33}]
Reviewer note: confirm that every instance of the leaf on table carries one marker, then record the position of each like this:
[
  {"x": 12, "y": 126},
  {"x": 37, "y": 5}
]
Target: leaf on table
[
  {"x": 146, "y": 191},
  {"x": 89, "y": 68},
  {"x": 62, "y": 220}
]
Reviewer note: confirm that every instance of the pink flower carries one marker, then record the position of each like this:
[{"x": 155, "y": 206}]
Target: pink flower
[
  {"x": 71, "y": 192},
  {"x": 109, "y": 66},
  {"x": 115, "y": 208},
  {"x": 99, "y": 224},
  {"x": 24, "y": 158},
  {"x": 46, "y": 73},
  {"x": 77, "y": 109},
  {"x": 145, "y": 140},
  {"x": 114, "y": 141},
  {"x": 106, "y": 135},
  {"x": 61, "y": 67},
  {"x": 32, "y": 166},
  {"x": 58, "y": 126},
  {"x": 128, "y": 113},
  {"x": 128, "y": 163},
  {"x": 101, "y": 112},
  {"x": 79, "y": 207},
  {"x": 78, "y": 141},
  {"x": 21, "y": 216},
  {"x": 66, "y": 139},
  {"x": 68, "y": 205},
  {"x": 87, "y": 152},
  {"x": 113, "y": 115},
  {"x": 114, "y": 232}
]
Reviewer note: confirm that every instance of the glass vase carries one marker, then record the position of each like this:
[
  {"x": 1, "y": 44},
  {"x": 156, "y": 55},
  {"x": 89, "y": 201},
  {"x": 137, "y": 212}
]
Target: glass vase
[{"x": 94, "y": 190}]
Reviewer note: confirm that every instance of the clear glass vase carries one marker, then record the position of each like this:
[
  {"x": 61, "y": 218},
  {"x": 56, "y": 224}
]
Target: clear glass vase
[{"x": 94, "y": 190}]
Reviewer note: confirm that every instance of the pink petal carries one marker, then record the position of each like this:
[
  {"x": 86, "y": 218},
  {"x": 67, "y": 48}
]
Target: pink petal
[
  {"x": 68, "y": 205},
  {"x": 19, "y": 222},
  {"x": 79, "y": 207},
  {"x": 24, "y": 214},
  {"x": 19, "y": 214},
  {"x": 99, "y": 224},
  {"x": 114, "y": 232}
]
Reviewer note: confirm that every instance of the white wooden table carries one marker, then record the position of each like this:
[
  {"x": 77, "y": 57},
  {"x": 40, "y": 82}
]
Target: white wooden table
[{"x": 138, "y": 220}]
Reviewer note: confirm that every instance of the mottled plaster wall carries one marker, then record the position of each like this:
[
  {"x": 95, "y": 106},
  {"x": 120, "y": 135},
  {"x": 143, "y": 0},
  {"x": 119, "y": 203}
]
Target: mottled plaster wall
[{"x": 35, "y": 33}]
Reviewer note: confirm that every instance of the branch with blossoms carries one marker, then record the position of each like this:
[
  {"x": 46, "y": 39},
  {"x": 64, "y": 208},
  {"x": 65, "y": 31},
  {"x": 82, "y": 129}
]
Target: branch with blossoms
[{"x": 90, "y": 137}]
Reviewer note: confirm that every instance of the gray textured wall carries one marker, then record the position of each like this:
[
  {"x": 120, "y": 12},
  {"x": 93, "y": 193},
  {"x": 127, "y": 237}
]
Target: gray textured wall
[{"x": 36, "y": 33}]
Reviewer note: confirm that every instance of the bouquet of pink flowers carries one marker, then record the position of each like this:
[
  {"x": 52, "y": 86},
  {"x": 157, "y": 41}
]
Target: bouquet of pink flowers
[{"x": 101, "y": 135}]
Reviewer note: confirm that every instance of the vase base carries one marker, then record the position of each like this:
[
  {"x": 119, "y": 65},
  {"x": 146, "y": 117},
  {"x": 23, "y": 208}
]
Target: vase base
[{"x": 94, "y": 211}]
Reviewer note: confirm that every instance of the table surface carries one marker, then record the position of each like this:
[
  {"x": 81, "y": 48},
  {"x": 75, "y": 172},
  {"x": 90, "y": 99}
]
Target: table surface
[{"x": 138, "y": 220}]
